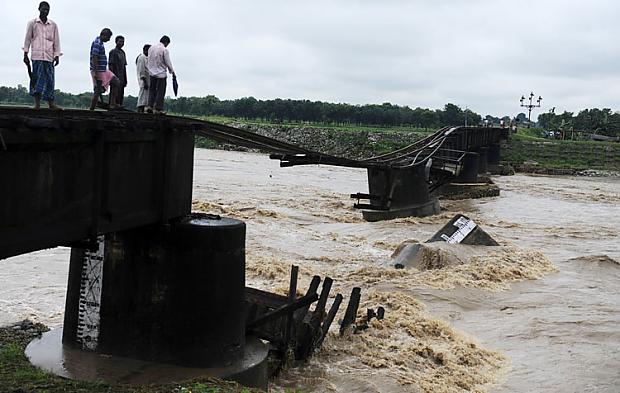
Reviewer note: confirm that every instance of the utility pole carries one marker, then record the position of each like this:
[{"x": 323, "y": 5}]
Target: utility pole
[{"x": 530, "y": 106}]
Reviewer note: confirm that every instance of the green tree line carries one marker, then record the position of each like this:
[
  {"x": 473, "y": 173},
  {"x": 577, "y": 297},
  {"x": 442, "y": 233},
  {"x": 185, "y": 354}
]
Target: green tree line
[
  {"x": 286, "y": 110},
  {"x": 281, "y": 110},
  {"x": 602, "y": 121},
  {"x": 597, "y": 121},
  {"x": 19, "y": 95}
]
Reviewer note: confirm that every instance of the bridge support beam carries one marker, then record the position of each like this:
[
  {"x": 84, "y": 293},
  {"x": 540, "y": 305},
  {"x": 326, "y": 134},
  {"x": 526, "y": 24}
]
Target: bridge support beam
[
  {"x": 171, "y": 297},
  {"x": 483, "y": 160},
  {"x": 493, "y": 154},
  {"x": 469, "y": 171},
  {"x": 395, "y": 193}
]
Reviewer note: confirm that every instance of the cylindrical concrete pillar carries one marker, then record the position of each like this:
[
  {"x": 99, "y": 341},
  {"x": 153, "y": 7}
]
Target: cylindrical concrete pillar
[
  {"x": 173, "y": 293},
  {"x": 209, "y": 262}
]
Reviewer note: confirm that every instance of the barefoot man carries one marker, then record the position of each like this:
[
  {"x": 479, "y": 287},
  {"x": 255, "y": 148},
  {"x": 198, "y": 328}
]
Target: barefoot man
[
  {"x": 43, "y": 41},
  {"x": 101, "y": 75}
]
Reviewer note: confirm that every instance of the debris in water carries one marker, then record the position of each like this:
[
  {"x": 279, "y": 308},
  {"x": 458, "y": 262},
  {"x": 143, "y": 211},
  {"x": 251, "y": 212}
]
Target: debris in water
[
  {"x": 286, "y": 321},
  {"x": 370, "y": 314},
  {"x": 463, "y": 230},
  {"x": 460, "y": 230},
  {"x": 351, "y": 313}
]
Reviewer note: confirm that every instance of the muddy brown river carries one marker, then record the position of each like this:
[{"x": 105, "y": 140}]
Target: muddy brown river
[{"x": 539, "y": 313}]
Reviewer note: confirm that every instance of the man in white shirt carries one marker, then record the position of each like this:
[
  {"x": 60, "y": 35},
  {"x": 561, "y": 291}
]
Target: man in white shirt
[
  {"x": 143, "y": 78},
  {"x": 43, "y": 41},
  {"x": 159, "y": 65}
]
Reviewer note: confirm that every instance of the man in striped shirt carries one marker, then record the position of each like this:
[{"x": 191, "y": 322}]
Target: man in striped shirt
[
  {"x": 43, "y": 41},
  {"x": 102, "y": 77}
]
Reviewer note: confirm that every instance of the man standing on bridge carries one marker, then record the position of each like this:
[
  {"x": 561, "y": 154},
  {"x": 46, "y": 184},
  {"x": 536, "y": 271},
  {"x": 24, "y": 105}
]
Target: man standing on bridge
[
  {"x": 143, "y": 78},
  {"x": 118, "y": 66},
  {"x": 102, "y": 77},
  {"x": 158, "y": 64},
  {"x": 42, "y": 37}
]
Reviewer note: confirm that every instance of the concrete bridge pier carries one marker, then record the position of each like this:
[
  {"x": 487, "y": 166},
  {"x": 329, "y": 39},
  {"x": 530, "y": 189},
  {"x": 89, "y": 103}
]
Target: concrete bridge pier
[
  {"x": 469, "y": 170},
  {"x": 398, "y": 192},
  {"x": 493, "y": 154},
  {"x": 468, "y": 184},
  {"x": 493, "y": 159},
  {"x": 168, "y": 297},
  {"x": 483, "y": 166}
]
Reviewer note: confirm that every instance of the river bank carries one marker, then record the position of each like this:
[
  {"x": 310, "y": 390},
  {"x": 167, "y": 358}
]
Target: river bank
[{"x": 17, "y": 375}]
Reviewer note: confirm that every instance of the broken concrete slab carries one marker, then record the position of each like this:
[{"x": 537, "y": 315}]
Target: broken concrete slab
[
  {"x": 455, "y": 243},
  {"x": 436, "y": 255},
  {"x": 408, "y": 255},
  {"x": 463, "y": 230}
]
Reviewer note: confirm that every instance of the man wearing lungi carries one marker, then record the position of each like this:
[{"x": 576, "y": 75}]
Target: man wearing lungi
[
  {"x": 143, "y": 78},
  {"x": 43, "y": 41},
  {"x": 102, "y": 77}
]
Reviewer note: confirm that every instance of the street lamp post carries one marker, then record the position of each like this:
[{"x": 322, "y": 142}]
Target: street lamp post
[{"x": 530, "y": 105}]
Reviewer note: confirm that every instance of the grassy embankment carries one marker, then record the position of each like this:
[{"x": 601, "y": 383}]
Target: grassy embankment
[
  {"x": 527, "y": 148},
  {"x": 347, "y": 135},
  {"x": 18, "y": 376}
]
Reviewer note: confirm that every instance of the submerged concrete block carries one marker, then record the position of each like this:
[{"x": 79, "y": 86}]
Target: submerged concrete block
[
  {"x": 453, "y": 244},
  {"x": 463, "y": 230}
]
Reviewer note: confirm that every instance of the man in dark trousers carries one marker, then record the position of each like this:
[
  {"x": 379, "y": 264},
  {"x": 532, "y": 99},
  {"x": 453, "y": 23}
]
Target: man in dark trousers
[
  {"x": 43, "y": 43},
  {"x": 159, "y": 65},
  {"x": 118, "y": 65}
]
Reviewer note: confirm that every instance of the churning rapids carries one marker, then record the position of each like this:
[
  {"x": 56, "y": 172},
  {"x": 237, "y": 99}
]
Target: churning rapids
[{"x": 539, "y": 313}]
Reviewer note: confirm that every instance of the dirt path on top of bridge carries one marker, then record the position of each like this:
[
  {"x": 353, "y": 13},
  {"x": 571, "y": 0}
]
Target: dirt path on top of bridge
[{"x": 540, "y": 313}]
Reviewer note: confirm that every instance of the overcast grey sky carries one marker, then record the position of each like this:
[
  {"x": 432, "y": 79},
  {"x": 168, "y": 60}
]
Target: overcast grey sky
[{"x": 479, "y": 54}]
